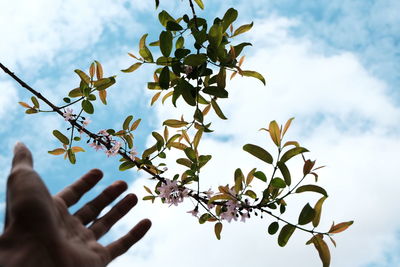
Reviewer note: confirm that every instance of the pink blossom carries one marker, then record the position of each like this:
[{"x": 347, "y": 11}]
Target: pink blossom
[
  {"x": 133, "y": 154},
  {"x": 114, "y": 150},
  {"x": 96, "y": 146},
  {"x": 86, "y": 122},
  {"x": 231, "y": 212},
  {"x": 172, "y": 193},
  {"x": 194, "y": 212},
  {"x": 244, "y": 215},
  {"x": 68, "y": 114},
  {"x": 188, "y": 69}
]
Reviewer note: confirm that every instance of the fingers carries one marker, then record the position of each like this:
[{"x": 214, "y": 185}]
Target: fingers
[
  {"x": 103, "y": 224},
  {"x": 122, "y": 245},
  {"x": 72, "y": 193},
  {"x": 92, "y": 209},
  {"x": 29, "y": 203}
]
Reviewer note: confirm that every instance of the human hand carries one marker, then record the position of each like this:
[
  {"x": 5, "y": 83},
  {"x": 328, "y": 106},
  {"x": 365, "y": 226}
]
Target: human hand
[{"x": 39, "y": 230}]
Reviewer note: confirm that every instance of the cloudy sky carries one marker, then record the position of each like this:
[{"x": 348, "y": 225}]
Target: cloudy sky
[{"x": 333, "y": 66}]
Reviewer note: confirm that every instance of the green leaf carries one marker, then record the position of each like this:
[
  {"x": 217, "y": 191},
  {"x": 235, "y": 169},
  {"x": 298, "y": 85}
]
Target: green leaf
[
  {"x": 258, "y": 152},
  {"x": 278, "y": 183},
  {"x": 63, "y": 139},
  {"x": 218, "y": 110},
  {"x": 217, "y": 230},
  {"x": 184, "y": 162},
  {"x": 133, "y": 67},
  {"x": 229, "y": 17},
  {"x": 84, "y": 77},
  {"x": 164, "y": 78},
  {"x": 255, "y": 74},
  {"x": 35, "y": 102},
  {"x": 149, "y": 151},
  {"x": 195, "y": 59},
  {"x": 57, "y": 151},
  {"x": 126, "y": 123},
  {"x": 31, "y": 111},
  {"x": 164, "y": 17},
  {"x": 311, "y": 188},
  {"x": 292, "y": 152},
  {"x": 190, "y": 154},
  {"x": 238, "y": 48},
  {"x": 242, "y": 29},
  {"x": 318, "y": 210},
  {"x": 180, "y": 42},
  {"x": 306, "y": 215},
  {"x": 273, "y": 228},
  {"x": 71, "y": 156},
  {"x": 173, "y": 26},
  {"x": 87, "y": 106},
  {"x": 203, "y": 218},
  {"x": 144, "y": 50},
  {"x": 260, "y": 175},
  {"x": 285, "y": 172},
  {"x": 201, "y": 5},
  {"x": 203, "y": 159},
  {"x": 239, "y": 179},
  {"x": 216, "y": 91},
  {"x": 166, "y": 43},
  {"x": 175, "y": 123},
  {"x": 285, "y": 233},
  {"x": 158, "y": 137},
  {"x": 126, "y": 165},
  {"x": 104, "y": 83},
  {"x": 251, "y": 194},
  {"x": 75, "y": 93},
  {"x": 215, "y": 35}
]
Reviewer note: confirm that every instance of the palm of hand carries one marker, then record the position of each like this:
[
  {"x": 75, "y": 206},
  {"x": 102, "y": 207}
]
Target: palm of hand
[{"x": 40, "y": 231}]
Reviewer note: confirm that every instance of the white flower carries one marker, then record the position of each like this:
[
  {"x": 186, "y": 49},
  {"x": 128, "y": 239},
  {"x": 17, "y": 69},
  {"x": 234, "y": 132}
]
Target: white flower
[{"x": 68, "y": 114}]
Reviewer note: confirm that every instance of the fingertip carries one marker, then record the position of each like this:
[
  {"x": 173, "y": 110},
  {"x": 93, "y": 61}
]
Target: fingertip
[
  {"x": 22, "y": 155},
  {"x": 121, "y": 184},
  {"x": 97, "y": 172},
  {"x": 132, "y": 197}
]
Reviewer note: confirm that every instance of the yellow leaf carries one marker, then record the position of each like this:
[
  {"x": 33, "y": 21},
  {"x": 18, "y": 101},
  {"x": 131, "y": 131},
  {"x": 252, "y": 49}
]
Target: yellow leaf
[
  {"x": 233, "y": 75},
  {"x": 275, "y": 133},
  {"x": 250, "y": 176},
  {"x": 206, "y": 110},
  {"x": 323, "y": 250},
  {"x": 197, "y": 138},
  {"x": 25, "y": 105},
  {"x": 287, "y": 125},
  {"x": 57, "y": 151},
  {"x": 177, "y": 145},
  {"x": 166, "y": 96},
  {"x": 291, "y": 143},
  {"x": 84, "y": 77},
  {"x": 91, "y": 70},
  {"x": 241, "y": 60},
  {"x": 318, "y": 209},
  {"x": 76, "y": 149},
  {"x": 103, "y": 96},
  {"x": 133, "y": 67},
  {"x": 99, "y": 70},
  {"x": 340, "y": 227},
  {"x": 166, "y": 133},
  {"x": 135, "y": 124},
  {"x": 155, "y": 97},
  {"x": 132, "y": 55}
]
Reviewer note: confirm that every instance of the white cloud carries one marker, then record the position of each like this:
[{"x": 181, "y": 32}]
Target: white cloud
[{"x": 343, "y": 115}]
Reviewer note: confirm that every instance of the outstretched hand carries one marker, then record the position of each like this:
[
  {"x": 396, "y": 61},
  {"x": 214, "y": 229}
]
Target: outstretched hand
[{"x": 40, "y": 231}]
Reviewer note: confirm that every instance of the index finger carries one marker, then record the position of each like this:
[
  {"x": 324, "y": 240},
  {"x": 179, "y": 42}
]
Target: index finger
[{"x": 72, "y": 193}]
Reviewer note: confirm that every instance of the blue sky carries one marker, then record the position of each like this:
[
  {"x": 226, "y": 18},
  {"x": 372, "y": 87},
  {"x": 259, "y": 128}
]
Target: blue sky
[{"x": 334, "y": 66}]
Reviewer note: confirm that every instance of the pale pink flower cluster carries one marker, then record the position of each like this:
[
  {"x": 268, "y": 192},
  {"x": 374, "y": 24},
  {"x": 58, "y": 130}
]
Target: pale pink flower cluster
[
  {"x": 171, "y": 192},
  {"x": 96, "y": 146},
  {"x": 188, "y": 69},
  {"x": 132, "y": 154},
  {"x": 194, "y": 212},
  {"x": 232, "y": 211},
  {"x": 114, "y": 150},
  {"x": 68, "y": 114}
]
